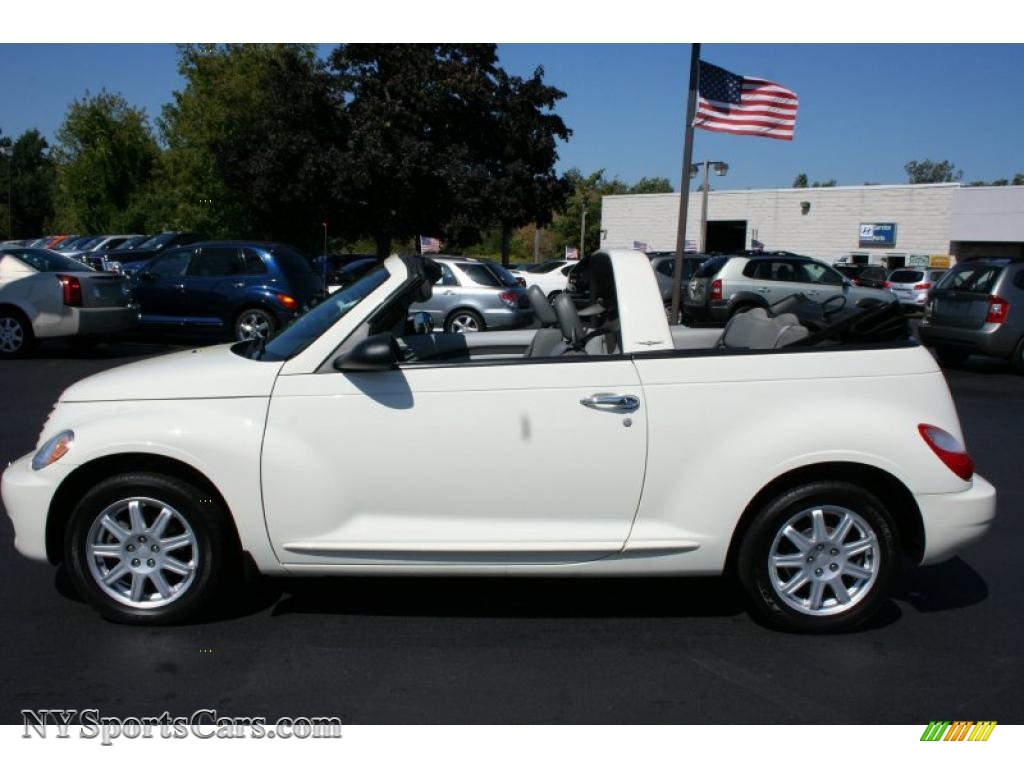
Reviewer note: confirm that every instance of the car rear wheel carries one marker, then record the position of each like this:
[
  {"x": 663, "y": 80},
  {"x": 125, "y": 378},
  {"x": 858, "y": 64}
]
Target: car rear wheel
[
  {"x": 951, "y": 355},
  {"x": 819, "y": 558},
  {"x": 16, "y": 337},
  {"x": 464, "y": 321},
  {"x": 145, "y": 548},
  {"x": 254, "y": 324}
]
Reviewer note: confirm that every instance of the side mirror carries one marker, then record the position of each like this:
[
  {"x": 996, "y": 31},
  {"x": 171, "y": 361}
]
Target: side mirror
[
  {"x": 422, "y": 324},
  {"x": 374, "y": 353}
]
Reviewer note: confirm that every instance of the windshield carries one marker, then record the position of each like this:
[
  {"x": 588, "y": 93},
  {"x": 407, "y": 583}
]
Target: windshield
[
  {"x": 156, "y": 240},
  {"x": 309, "y": 327},
  {"x": 972, "y": 278},
  {"x": 49, "y": 261},
  {"x": 132, "y": 242}
]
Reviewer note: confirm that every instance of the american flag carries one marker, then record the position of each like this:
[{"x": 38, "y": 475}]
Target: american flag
[
  {"x": 571, "y": 253},
  {"x": 429, "y": 244},
  {"x": 747, "y": 106},
  {"x": 640, "y": 245}
]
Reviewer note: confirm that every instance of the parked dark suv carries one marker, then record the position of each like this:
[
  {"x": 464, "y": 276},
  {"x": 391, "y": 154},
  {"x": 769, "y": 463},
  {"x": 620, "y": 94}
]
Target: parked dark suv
[
  {"x": 977, "y": 308},
  {"x": 246, "y": 289}
]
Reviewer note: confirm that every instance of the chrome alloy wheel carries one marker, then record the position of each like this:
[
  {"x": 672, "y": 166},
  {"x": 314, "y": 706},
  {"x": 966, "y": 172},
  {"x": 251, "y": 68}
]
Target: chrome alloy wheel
[
  {"x": 465, "y": 324},
  {"x": 824, "y": 560},
  {"x": 12, "y": 335},
  {"x": 142, "y": 552},
  {"x": 253, "y": 325}
]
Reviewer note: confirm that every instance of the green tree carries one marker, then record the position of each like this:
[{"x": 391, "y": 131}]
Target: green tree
[
  {"x": 800, "y": 182},
  {"x": 105, "y": 154},
  {"x": 651, "y": 185},
  {"x": 412, "y": 163},
  {"x": 829, "y": 183},
  {"x": 1018, "y": 179},
  {"x": 931, "y": 172},
  {"x": 253, "y": 141},
  {"x": 519, "y": 157},
  {"x": 32, "y": 186},
  {"x": 586, "y": 195}
]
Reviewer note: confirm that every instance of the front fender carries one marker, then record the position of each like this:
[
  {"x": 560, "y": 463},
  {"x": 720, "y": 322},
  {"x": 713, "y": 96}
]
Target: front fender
[{"x": 219, "y": 438}]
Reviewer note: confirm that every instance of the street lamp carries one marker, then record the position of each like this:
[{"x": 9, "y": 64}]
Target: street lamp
[
  {"x": 9, "y": 152},
  {"x": 720, "y": 169}
]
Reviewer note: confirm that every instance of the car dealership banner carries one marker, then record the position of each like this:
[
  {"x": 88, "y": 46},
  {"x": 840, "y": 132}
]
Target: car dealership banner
[{"x": 877, "y": 235}]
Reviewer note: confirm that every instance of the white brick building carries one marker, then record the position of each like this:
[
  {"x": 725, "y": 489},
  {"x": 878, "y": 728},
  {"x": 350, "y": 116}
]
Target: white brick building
[{"x": 826, "y": 222}]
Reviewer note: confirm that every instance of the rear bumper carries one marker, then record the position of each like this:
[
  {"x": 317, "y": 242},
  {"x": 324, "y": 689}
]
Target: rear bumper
[
  {"x": 713, "y": 312},
  {"x": 997, "y": 340},
  {"x": 94, "y": 321},
  {"x": 952, "y": 521},
  {"x": 507, "y": 318}
]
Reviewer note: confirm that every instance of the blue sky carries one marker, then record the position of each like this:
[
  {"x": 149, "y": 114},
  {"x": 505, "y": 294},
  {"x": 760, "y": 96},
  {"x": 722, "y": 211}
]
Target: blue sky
[{"x": 865, "y": 110}]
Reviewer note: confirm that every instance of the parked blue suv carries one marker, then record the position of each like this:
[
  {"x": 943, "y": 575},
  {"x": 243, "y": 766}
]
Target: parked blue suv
[{"x": 246, "y": 289}]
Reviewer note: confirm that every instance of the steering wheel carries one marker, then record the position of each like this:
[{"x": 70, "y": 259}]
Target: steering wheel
[{"x": 839, "y": 299}]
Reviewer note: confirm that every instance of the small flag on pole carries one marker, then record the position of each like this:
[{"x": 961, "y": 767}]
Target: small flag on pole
[
  {"x": 571, "y": 253},
  {"x": 640, "y": 245},
  {"x": 745, "y": 106},
  {"x": 429, "y": 244}
]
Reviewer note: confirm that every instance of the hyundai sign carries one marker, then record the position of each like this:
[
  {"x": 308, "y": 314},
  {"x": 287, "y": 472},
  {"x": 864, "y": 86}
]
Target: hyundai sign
[{"x": 877, "y": 235}]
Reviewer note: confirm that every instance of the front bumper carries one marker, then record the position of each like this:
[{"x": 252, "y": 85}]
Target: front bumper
[
  {"x": 27, "y": 495},
  {"x": 954, "y": 520}
]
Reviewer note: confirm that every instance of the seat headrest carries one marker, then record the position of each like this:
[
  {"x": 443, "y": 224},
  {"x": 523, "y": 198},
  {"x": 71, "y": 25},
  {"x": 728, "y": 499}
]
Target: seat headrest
[
  {"x": 542, "y": 308},
  {"x": 568, "y": 319}
]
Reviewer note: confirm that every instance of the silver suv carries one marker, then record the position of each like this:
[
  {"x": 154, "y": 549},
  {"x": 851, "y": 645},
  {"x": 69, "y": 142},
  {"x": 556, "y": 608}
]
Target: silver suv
[
  {"x": 475, "y": 295},
  {"x": 725, "y": 285},
  {"x": 977, "y": 308}
]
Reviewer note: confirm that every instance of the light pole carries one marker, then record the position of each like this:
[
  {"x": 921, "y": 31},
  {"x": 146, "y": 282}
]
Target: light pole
[
  {"x": 720, "y": 169},
  {"x": 583, "y": 229},
  {"x": 9, "y": 152}
]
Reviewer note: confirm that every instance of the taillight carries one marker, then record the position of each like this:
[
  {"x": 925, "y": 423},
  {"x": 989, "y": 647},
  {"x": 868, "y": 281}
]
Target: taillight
[
  {"x": 521, "y": 281},
  {"x": 511, "y": 298},
  {"x": 287, "y": 301},
  {"x": 923, "y": 287},
  {"x": 716, "y": 290},
  {"x": 72, "y": 290},
  {"x": 857, "y": 281},
  {"x": 998, "y": 309},
  {"x": 887, "y": 284},
  {"x": 948, "y": 449}
]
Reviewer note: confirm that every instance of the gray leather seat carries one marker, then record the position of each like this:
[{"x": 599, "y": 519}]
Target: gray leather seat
[
  {"x": 754, "y": 329},
  {"x": 549, "y": 336}
]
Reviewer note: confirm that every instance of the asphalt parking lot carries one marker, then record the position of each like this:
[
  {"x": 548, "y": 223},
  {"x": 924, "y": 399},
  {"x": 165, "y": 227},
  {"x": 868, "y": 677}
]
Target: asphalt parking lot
[{"x": 529, "y": 651}]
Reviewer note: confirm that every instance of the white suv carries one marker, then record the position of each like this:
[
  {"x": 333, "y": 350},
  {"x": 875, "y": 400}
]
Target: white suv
[{"x": 725, "y": 285}]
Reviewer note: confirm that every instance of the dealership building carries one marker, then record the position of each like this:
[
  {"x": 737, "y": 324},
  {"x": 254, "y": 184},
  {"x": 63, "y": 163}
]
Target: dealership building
[{"x": 892, "y": 225}]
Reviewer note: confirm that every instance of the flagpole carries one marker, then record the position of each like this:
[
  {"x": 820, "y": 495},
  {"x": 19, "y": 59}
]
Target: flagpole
[{"x": 684, "y": 187}]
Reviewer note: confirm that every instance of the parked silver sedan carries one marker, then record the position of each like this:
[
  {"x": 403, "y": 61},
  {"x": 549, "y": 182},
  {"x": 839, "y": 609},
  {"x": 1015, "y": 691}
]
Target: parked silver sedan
[{"x": 475, "y": 295}]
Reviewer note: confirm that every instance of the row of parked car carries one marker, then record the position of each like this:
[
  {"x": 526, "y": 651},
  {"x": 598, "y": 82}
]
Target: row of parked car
[{"x": 242, "y": 289}]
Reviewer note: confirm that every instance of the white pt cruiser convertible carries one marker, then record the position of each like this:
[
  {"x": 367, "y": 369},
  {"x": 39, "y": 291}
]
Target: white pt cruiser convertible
[{"x": 692, "y": 451}]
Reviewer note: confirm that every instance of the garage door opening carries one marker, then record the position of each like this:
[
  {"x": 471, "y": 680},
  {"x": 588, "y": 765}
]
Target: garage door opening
[{"x": 726, "y": 236}]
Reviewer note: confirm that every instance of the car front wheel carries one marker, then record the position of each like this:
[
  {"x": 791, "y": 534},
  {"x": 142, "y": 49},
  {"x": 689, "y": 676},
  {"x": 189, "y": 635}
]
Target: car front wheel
[
  {"x": 254, "y": 324},
  {"x": 145, "y": 548},
  {"x": 819, "y": 558}
]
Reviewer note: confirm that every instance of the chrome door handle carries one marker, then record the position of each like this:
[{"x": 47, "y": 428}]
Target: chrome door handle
[
  {"x": 762, "y": 290},
  {"x": 179, "y": 286},
  {"x": 238, "y": 285},
  {"x": 612, "y": 402}
]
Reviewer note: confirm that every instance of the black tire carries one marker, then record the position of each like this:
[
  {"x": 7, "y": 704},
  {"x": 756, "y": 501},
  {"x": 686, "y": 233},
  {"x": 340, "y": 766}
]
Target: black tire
[
  {"x": 214, "y": 560},
  {"x": 820, "y": 565},
  {"x": 249, "y": 320},
  {"x": 16, "y": 337},
  {"x": 1017, "y": 358},
  {"x": 459, "y": 320},
  {"x": 951, "y": 356}
]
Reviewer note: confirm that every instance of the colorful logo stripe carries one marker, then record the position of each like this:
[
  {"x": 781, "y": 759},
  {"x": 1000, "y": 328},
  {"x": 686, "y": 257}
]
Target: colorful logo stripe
[{"x": 958, "y": 730}]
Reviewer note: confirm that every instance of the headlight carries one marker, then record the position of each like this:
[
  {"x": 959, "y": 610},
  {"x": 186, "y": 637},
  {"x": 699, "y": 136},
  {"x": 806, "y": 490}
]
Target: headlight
[{"x": 53, "y": 449}]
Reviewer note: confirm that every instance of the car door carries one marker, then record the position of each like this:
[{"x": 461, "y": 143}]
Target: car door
[
  {"x": 214, "y": 282},
  {"x": 447, "y": 293},
  {"x": 391, "y": 467},
  {"x": 159, "y": 287},
  {"x": 821, "y": 282}
]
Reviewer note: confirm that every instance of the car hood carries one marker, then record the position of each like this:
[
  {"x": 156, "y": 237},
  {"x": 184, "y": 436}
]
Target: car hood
[{"x": 207, "y": 372}]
